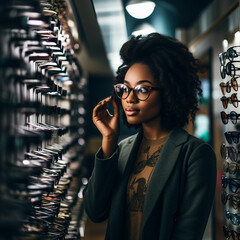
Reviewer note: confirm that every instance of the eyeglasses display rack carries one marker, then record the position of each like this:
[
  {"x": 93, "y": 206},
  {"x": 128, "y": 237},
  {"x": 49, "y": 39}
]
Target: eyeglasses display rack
[
  {"x": 42, "y": 117},
  {"x": 229, "y": 68}
]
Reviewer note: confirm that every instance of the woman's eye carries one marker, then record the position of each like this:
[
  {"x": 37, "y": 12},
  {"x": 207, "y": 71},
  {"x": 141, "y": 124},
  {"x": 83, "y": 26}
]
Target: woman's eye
[
  {"x": 142, "y": 90},
  {"x": 125, "y": 89}
]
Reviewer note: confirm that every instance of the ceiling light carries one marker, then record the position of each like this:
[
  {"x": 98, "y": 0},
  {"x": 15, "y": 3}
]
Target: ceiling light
[
  {"x": 140, "y": 8},
  {"x": 143, "y": 29}
]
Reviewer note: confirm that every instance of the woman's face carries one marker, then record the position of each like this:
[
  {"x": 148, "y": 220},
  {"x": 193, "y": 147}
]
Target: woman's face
[{"x": 141, "y": 112}]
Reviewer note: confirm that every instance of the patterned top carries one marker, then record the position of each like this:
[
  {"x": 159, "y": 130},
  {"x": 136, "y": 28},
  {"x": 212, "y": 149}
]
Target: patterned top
[{"x": 138, "y": 183}]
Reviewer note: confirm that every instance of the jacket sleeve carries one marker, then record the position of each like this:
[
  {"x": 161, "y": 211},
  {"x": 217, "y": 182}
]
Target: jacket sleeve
[
  {"x": 197, "y": 195},
  {"x": 97, "y": 195}
]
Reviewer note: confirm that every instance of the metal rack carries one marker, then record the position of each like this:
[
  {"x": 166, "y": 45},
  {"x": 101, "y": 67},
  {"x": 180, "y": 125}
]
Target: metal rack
[{"x": 42, "y": 109}]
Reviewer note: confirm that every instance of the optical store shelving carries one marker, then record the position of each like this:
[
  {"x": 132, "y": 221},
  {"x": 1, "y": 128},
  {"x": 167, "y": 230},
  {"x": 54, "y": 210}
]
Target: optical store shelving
[
  {"x": 42, "y": 117},
  {"x": 229, "y": 69}
]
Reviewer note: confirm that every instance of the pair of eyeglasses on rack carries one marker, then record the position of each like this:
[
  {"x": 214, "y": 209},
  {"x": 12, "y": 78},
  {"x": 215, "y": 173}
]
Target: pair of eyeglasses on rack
[
  {"x": 233, "y": 99},
  {"x": 233, "y": 116},
  {"x": 234, "y": 184},
  {"x": 230, "y": 69},
  {"x": 232, "y": 84},
  {"x": 230, "y": 54},
  {"x": 230, "y": 233},
  {"x": 229, "y": 152},
  {"x": 231, "y": 168},
  {"x": 232, "y": 136},
  {"x": 234, "y": 199}
]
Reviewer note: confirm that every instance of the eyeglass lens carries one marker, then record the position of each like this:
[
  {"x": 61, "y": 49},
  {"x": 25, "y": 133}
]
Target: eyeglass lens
[{"x": 141, "y": 92}]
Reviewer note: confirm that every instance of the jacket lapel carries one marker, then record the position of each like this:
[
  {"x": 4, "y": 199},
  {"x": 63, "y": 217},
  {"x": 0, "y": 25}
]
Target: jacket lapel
[
  {"x": 128, "y": 153},
  {"x": 163, "y": 169},
  {"x": 127, "y": 156}
]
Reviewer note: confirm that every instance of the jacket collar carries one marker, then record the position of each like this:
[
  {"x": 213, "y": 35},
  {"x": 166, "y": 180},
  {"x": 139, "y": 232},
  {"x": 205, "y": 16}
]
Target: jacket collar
[{"x": 165, "y": 165}]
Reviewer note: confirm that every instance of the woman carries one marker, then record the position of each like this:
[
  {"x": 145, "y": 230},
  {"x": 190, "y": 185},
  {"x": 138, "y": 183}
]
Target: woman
[{"x": 160, "y": 183}]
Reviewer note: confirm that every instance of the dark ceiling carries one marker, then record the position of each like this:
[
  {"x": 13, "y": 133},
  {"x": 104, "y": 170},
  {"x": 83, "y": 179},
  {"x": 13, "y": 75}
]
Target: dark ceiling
[
  {"x": 188, "y": 10},
  {"x": 167, "y": 16}
]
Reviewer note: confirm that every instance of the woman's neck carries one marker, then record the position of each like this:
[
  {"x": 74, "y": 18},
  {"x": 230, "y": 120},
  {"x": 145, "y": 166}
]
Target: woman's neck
[{"x": 154, "y": 131}]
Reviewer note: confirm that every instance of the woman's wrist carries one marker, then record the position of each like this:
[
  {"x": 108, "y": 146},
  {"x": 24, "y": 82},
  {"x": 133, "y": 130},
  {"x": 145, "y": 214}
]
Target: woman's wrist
[{"x": 109, "y": 145}]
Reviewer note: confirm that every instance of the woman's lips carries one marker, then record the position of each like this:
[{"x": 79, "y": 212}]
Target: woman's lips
[{"x": 131, "y": 111}]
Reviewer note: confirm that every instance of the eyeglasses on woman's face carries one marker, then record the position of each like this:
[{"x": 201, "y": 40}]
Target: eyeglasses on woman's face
[{"x": 141, "y": 92}]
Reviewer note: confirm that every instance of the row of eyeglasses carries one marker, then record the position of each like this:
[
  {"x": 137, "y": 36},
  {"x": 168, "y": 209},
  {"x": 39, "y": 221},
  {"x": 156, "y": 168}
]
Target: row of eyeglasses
[
  {"x": 40, "y": 139},
  {"x": 230, "y": 152}
]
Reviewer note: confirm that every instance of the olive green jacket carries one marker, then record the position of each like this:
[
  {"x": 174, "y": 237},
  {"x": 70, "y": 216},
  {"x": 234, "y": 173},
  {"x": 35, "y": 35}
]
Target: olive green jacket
[{"x": 179, "y": 195}]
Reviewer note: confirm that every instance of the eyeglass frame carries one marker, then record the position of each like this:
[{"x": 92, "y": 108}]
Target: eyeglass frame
[
  {"x": 149, "y": 88},
  {"x": 228, "y": 85},
  {"x": 229, "y": 152},
  {"x": 225, "y": 100},
  {"x": 234, "y": 199},
  {"x": 232, "y": 136},
  {"x": 225, "y": 117},
  {"x": 232, "y": 167},
  {"x": 230, "y": 233},
  {"x": 227, "y": 55},
  {"x": 233, "y": 183},
  {"x": 228, "y": 70}
]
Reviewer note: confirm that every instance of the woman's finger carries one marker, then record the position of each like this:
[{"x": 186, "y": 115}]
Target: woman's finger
[{"x": 115, "y": 107}]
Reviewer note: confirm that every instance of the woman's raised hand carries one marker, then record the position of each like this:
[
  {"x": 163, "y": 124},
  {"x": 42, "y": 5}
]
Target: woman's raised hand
[{"x": 107, "y": 124}]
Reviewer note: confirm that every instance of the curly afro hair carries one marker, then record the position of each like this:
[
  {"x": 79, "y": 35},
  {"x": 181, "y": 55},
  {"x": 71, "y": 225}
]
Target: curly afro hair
[{"x": 175, "y": 70}]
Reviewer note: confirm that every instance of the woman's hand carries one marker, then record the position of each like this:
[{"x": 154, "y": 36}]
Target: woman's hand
[{"x": 107, "y": 124}]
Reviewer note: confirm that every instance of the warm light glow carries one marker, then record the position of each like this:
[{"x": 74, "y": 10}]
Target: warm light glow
[
  {"x": 143, "y": 29},
  {"x": 237, "y": 38},
  {"x": 35, "y": 22},
  {"x": 237, "y": 34},
  {"x": 225, "y": 44},
  {"x": 140, "y": 8}
]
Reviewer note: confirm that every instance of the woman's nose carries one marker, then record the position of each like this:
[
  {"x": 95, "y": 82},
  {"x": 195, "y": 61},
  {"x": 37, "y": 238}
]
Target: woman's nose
[{"x": 131, "y": 97}]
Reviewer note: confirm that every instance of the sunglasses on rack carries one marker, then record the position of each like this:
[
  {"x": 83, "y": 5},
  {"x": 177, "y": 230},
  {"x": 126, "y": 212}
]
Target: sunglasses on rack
[
  {"x": 230, "y": 69},
  {"x": 234, "y": 184},
  {"x": 230, "y": 54},
  {"x": 232, "y": 168},
  {"x": 229, "y": 152},
  {"x": 141, "y": 92},
  {"x": 232, "y": 136},
  {"x": 233, "y": 116},
  {"x": 233, "y": 100},
  {"x": 233, "y": 199},
  {"x": 231, "y": 233},
  {"x": 226, "y": 87},
  {"x": 234, "y": 218}
]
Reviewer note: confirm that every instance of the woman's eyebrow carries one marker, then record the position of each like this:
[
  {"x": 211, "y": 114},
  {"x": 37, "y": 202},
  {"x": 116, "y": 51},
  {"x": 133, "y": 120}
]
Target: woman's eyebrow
[{"x": 139, "y": 82}]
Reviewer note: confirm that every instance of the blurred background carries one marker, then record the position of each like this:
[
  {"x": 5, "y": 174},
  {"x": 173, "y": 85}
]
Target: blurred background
[{"x": 56, "y": 123}]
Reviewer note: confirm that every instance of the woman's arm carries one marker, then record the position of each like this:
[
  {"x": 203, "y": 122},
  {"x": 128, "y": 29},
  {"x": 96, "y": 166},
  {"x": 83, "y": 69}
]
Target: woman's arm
[
  {"x": 97, "y": 196},
  {"x": 198, "y": 195}
]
